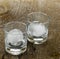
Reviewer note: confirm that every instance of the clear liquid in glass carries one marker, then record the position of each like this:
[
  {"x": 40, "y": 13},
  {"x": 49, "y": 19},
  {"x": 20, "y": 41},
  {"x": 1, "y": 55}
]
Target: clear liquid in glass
[
  {"x": 15, "y": 43},
  {"x": 37, "y": 32}
]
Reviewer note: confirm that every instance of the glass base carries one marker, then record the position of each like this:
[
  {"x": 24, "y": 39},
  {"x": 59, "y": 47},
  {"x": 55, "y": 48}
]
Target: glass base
[
  {"x": 15, "y": 51},
  {"x": 37, "y": 40}
]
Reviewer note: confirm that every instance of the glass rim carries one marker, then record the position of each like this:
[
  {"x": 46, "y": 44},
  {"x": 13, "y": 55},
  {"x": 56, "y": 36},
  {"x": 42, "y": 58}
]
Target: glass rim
[
  {"x": 6, "y": 25},
  {"x": 42, "y": 13}
]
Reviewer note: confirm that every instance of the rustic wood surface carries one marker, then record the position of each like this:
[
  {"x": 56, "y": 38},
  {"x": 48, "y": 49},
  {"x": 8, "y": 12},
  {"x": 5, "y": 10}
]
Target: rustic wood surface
[{"x": 47, "y": 50}]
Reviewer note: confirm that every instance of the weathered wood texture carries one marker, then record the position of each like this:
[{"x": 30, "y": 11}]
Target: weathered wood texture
[{"x": 18, "y": 11}]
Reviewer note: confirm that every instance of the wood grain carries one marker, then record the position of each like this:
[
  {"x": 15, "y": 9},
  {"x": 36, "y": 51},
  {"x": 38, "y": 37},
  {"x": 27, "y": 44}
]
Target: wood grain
[{"x": 49, "y": 49}]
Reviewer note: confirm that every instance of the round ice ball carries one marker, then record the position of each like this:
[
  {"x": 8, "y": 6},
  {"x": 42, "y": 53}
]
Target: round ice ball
[
  {"x": 36, "y": 29},
  {"x": 14, "y": 36}
]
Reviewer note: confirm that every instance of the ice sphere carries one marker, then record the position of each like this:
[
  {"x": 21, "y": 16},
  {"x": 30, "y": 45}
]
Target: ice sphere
[
  {"x": 36, "y": 29},
  {"x": 14, "y": 36}
]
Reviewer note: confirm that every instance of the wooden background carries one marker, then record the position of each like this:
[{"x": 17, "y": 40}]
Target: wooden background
[{"x": 18, "y": 10}]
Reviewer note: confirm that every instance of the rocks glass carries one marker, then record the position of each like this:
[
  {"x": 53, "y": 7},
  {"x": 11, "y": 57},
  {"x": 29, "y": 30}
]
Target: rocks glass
[
  {"x": 37, "y": 27},
  {"x": 15, "y": 38}
]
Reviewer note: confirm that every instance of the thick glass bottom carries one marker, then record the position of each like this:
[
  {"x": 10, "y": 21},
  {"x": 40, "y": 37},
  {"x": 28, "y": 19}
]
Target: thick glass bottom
[
  {"x": 37, "y": 40},
  {"x": 15, "y": 51}
]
